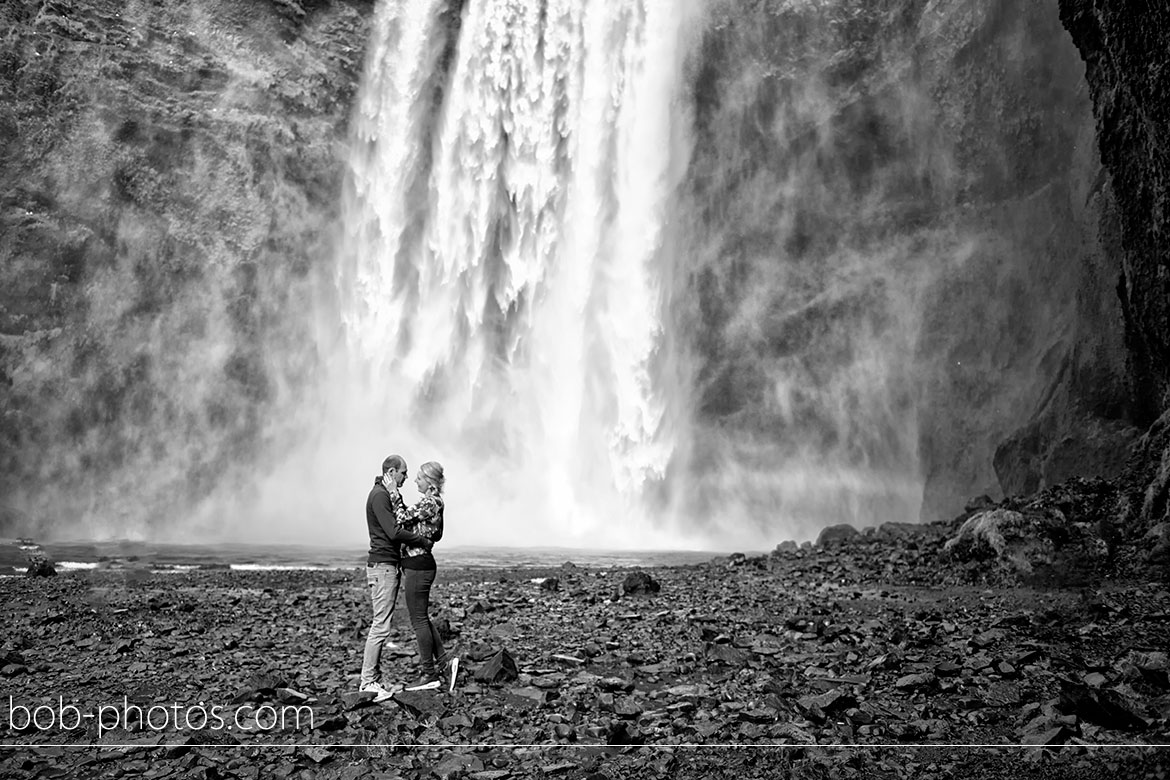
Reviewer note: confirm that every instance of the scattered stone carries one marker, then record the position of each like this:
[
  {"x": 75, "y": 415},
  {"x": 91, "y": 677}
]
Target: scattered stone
[
  {"x": 453, "y": 765},
  {"x": 420, "y": 704},
  {"x": 563, "y": 766},
  {"x": 1108, "y": 708},
  {"x": 640, "y": 583},
  {"x": 352, "y": 700},
  {"x": 829, "y": 703},
  {"x": 500, "y": 668},
  {"x": 725, "y": 653},
  {"x": 317, "y": 754},
  {"x": 1048, "y": 736},
  {"x": 615, "y": 684},
  {"x": 915, "y": 682}
]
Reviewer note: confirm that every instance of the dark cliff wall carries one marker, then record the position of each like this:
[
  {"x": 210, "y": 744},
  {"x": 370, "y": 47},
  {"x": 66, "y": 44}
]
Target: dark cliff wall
[
  {"x": 1126, "y": 50},
  {"x": 169, "y": 177}
]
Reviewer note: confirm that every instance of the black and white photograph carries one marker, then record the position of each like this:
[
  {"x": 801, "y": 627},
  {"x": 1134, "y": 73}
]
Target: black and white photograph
[{"x": 585, "y": 389}]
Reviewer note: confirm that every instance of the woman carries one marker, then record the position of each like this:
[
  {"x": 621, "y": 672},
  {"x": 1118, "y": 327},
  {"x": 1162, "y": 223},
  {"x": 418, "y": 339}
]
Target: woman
[{"x": 418, "y": 567}]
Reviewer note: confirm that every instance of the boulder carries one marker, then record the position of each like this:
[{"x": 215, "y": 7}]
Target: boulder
[
  {"x": 842, "y": 533},
  {"x": 640, "y": 583},
  {"x": 500, "y": 668},
  {"x": 1036, "y": 540},
  {"x": 40, "y": 566}
]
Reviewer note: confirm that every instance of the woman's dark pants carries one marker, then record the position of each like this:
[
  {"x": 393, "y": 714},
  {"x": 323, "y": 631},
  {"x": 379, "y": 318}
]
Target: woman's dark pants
[{"x": 417, "y": 587}]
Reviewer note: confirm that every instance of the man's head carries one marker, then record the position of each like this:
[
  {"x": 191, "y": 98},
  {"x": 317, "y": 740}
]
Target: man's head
[{"x": 394, "y": 470}]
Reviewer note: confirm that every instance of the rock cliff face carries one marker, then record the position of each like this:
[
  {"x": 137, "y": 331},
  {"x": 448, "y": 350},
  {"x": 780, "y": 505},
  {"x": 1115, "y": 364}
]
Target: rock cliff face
[
  {"x": 169, "y": 178},
  {"x": 1127, "y": 67}
]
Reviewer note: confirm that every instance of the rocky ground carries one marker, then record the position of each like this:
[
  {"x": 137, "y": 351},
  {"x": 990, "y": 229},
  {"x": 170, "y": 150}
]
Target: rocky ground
[{"x": 866, "y": 655}]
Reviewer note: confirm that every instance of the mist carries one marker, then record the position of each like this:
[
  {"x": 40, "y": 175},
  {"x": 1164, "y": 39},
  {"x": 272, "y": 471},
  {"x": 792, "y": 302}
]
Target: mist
[{"x": 703, "y": 276}]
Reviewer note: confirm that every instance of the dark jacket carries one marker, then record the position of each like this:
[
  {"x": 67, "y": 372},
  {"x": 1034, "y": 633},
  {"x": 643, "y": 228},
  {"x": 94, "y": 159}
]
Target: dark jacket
[{"x": 382, "y": 523}]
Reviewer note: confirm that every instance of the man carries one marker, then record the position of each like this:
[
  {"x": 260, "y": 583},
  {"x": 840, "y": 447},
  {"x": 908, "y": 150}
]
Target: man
[{"x": 382, "y": 572}]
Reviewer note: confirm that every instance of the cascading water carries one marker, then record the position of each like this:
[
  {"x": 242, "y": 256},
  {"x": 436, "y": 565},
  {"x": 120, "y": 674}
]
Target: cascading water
[
  {"x": 521, "y": 295},
  {"x": 501, "y": 287}
]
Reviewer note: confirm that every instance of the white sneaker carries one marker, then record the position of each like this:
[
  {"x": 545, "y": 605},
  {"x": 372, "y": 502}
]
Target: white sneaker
[
  {"x": 452, "y": 674},
  {"x": 379, "y": 691}
]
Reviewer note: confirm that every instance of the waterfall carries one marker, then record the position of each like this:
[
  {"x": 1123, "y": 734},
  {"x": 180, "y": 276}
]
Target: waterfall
[{"x": 501, "y": 286}]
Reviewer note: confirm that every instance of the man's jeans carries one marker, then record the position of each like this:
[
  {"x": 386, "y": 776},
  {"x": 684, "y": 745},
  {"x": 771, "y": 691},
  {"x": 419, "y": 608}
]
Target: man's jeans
[{"x": 383, "y": 580}]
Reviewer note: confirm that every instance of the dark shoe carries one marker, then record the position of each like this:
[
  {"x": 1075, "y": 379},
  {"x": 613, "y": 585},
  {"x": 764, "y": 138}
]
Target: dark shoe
[{"x": 427, "y": 682}]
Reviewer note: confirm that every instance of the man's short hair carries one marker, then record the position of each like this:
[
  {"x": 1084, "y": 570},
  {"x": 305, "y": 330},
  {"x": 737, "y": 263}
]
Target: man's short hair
[{"x": 393, "y": 462}]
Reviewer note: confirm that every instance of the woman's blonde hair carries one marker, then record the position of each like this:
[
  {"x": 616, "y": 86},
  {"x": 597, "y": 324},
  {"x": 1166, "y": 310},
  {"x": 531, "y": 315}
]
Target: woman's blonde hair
[{"x": 433, "y": 472}]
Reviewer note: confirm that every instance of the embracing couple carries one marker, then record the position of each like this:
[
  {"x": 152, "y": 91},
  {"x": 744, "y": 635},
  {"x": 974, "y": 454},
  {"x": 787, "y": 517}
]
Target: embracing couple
[{"x": 401, "y": 538}]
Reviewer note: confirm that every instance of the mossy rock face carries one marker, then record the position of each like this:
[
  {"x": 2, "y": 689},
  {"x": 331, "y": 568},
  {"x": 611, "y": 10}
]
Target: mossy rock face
[
  {"x": 170, "y": 180},
  {"x": 1059, "y": 537}
]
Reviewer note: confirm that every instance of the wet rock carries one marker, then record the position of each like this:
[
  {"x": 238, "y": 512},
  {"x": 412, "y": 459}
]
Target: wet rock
[
  {"x": 290, "y": 696},
  {"x": 1108, "y": 708},
  {"x": 558, "y": 768},
  {"x": 500, "y": 668},
  {"x": 267, "y": 682},
  {"x": 1046, "y": 736},
  {"x": 317, "y": 754},
  {"x": 725, "y": 653},
  {"x": 792, "y": 734},
  {"x": 640, "y": 583},
  {"x": 892, "y": 531},
  {"x": 40, "y": 566},
  {"x": 627, "y": 707},
  {"x": 615, "y": 684},
  {"x": 421, "y": 705},
  {"x": 916, "y": 682},
  {"x": 622, "y": 733},
  {"x": 1152, "y": 667},
  {"x": 839, "y": 534},
  {"x": 986, "y": 535},
  {"x": 947, "y": 669},
  {"x": 829, "y": 702},
  {"x": 352, "y": 700},
  {"x": 453, "y": 765}
]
